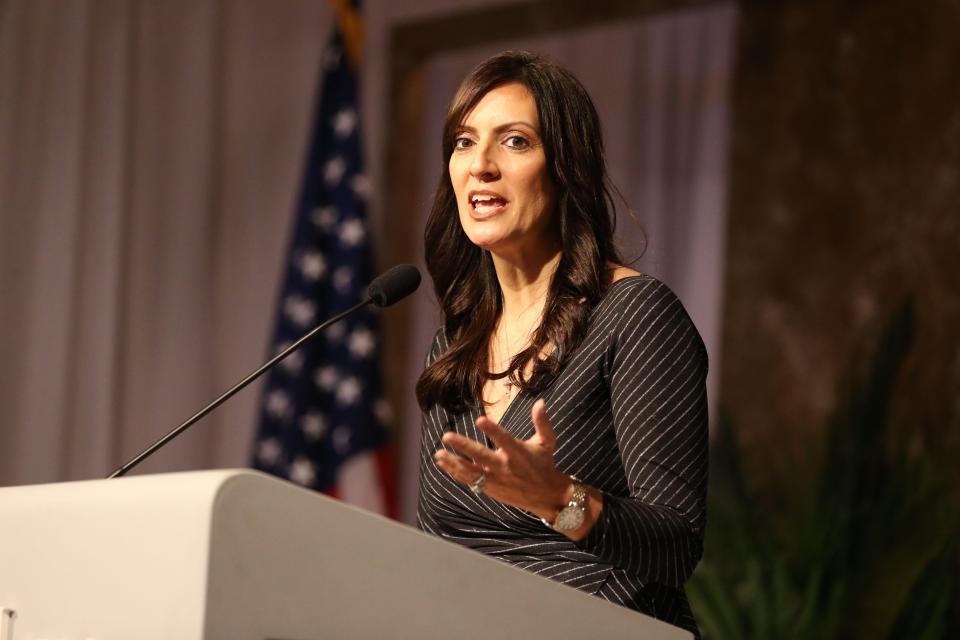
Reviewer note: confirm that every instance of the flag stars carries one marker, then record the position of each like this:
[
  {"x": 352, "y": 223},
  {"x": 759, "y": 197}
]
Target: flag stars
[
  {"x": 313, "y": 426},
  {"x": 278, "y": 404},
  {"x": 328, "y": 377},
  {"x": 325, "y": 217},
  {"x": 344, "y": 122},
  {"x": 303, "y": 472},
  {"x": 352, "y": 233},
  {"x": 361, "y": 185},
  {"x": 312, "y": 265},
  {"x": 341, "y": 439},
  {"x": 342, "y": 279},
  {"x": 348, "y": 391},
  {"x": 293, "y": 363},
  {"x": 381, "y": 409},
  {"x": 325, "y": 271},
  {"x": 268, "y": 451},
  {"x": 277, "y": 349},
  {"x": 335, "y": 333},
  {"x": 361, "y": 343},
  {"x": 333, "y": 170},
  {"x": 299, "y": 310}
]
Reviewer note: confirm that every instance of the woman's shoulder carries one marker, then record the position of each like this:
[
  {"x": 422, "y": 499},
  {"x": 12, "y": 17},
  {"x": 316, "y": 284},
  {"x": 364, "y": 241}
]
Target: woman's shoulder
[
  {"x": 618, "y": 272},
  {"x": 631, "y": 290},
  {"x": 638, "y": 301}
]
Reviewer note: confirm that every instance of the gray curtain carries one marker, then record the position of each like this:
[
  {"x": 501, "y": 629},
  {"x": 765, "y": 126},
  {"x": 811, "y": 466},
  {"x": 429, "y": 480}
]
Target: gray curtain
[{"x": 149, "y": 158}]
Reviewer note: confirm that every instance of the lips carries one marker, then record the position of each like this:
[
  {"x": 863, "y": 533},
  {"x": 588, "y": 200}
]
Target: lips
[{"x": 484, "y": 204}]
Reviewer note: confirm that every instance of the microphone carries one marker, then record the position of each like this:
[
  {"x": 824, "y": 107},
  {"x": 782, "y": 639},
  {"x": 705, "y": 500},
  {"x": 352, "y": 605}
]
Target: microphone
[
  {"x": 389, "y": 287},
  {"x": 393, "y": 285}
]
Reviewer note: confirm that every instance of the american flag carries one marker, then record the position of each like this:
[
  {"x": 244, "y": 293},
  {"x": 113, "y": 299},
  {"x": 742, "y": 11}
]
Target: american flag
[{"x": 323, "y": 420}]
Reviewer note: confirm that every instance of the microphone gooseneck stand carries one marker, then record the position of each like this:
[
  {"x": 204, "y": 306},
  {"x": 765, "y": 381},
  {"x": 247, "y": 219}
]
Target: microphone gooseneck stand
[{"x": 389, "y": 287}]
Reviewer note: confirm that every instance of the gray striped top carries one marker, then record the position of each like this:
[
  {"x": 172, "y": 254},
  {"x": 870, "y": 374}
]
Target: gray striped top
[{"x": 630, "y": 414}]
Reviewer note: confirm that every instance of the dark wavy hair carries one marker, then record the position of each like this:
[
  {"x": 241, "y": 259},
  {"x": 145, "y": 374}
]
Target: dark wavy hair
[{"x": 463, "y": 274}]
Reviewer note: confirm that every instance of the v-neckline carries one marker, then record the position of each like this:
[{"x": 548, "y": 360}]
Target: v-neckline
[{"x": 506, "y": 411}]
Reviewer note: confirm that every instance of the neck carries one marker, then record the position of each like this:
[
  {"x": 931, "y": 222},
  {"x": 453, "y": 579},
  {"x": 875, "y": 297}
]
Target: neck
[{"x": 524, "y": 280}]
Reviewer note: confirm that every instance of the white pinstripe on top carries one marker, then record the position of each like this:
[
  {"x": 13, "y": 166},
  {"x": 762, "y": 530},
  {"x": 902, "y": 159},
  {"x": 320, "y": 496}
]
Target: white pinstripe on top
[{"x": 630, "y": 413}]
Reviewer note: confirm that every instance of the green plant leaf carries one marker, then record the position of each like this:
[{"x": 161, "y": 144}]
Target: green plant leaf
[{"x": 861, "y": 544}]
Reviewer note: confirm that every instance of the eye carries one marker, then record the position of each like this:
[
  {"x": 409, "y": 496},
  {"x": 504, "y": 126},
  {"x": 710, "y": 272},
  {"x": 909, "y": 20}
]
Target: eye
[
  {"x": 461, "y": 143},
  {"x": 517, "y": 142}
]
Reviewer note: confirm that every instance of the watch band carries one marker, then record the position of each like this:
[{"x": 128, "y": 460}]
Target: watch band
[
  {"x": 571, "y": 517},
  {"x": 579, "y": 496}
]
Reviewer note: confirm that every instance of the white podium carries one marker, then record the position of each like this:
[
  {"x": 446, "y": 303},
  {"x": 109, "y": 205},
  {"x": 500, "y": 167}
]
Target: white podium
[{"x": 240, "y": 555}]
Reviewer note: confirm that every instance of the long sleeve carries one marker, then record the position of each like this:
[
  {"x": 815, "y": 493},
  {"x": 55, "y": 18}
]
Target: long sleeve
[
  {"x": 657, "y": 374},
  {"x": 629, "y": 412}
]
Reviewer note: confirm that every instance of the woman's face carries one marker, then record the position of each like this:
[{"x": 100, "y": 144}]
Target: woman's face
[{"x": 499, "y": 173}]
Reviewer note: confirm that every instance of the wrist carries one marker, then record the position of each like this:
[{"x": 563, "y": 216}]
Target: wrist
[
  {"x": 557, "y": 498},
  {"x": 572, "y": 513}
]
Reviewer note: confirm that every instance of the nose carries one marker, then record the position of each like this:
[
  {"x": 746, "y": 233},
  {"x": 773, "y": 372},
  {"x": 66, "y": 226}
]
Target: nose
[{"x": 482, "y": 165}]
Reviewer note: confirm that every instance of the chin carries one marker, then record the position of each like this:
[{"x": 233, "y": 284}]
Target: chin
[
  {"x": 485, "y": 238},
  {"x": 484, "y": 242}
]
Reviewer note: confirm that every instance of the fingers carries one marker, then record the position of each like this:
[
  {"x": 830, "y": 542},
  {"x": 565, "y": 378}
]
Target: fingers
[
  {"x": 497, "y": 434},
  {"x": 458, "y": 468},
  {"x": 542, "y": 424},
  {"x": 470, "y": 448},
  {"x": 520, "y": 473}
]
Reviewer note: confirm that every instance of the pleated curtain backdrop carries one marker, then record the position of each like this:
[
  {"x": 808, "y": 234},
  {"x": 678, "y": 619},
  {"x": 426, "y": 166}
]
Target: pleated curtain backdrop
[{"x": 149, "y": 158}]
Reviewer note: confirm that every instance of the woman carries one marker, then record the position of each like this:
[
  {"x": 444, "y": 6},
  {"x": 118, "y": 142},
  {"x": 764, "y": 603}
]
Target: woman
[{"x": 565, "y": 419}]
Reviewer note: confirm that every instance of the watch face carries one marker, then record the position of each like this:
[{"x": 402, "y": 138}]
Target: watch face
[{"x": 568, "y": 519}]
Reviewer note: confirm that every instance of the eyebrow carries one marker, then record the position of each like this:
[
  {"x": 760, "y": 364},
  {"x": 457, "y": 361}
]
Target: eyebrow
[{"x": 500, "y": 128}]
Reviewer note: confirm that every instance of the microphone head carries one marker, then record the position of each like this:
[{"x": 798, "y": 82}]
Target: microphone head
[{"x": 393, "y": 285}]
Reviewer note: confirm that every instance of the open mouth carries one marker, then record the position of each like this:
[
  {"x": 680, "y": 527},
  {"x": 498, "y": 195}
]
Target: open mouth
[{"x": 486, "y": 204}]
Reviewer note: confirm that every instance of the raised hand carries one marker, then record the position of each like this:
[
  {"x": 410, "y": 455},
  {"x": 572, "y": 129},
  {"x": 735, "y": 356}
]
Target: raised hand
[{"x": 520, "y": 473}]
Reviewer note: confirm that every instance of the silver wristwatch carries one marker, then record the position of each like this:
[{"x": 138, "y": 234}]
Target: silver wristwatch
[{"x": 570, "y": 518}]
